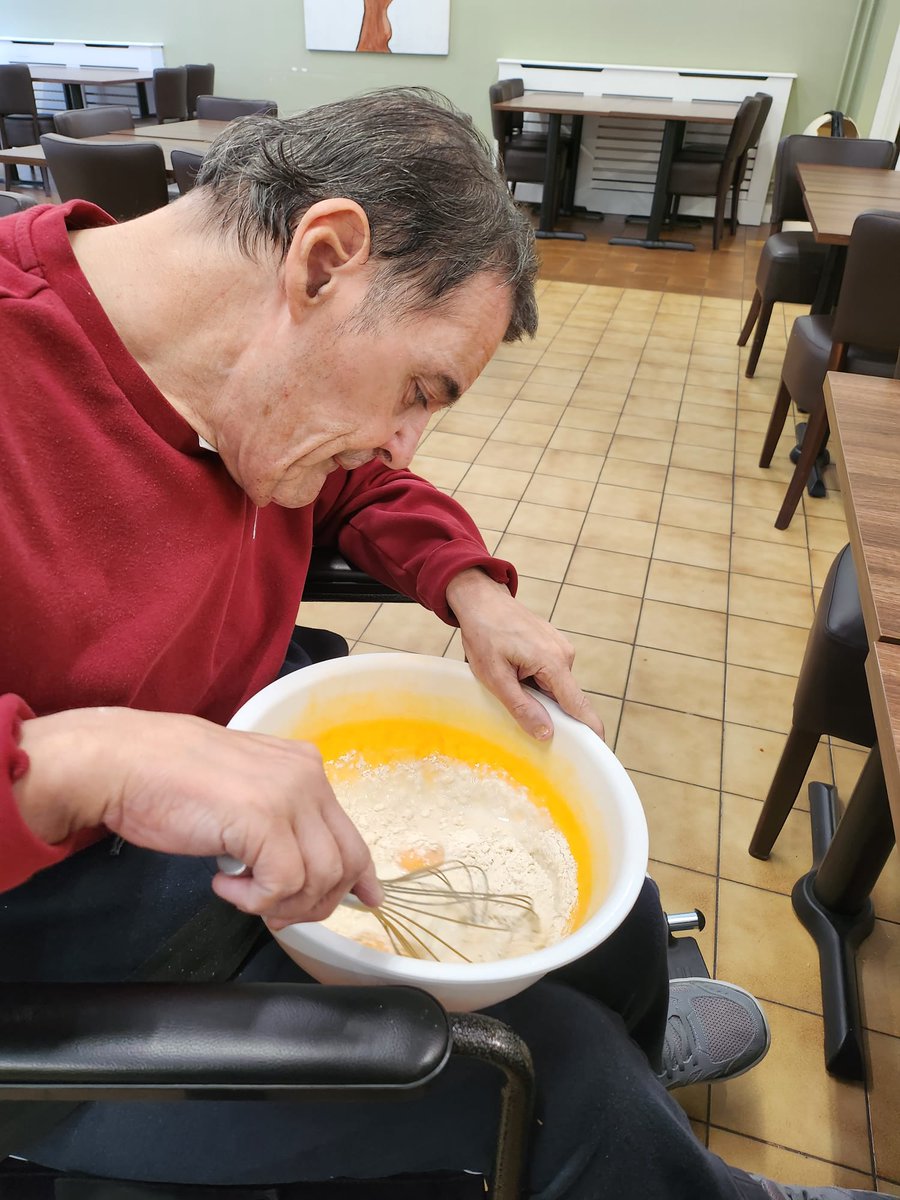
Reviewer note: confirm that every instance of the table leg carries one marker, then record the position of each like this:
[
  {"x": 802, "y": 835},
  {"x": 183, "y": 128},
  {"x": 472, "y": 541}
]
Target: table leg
[
  {"x": 143, "y": 106},
  {"x": 832, "y": 903},
  {"x": 672, "y": 130},
  {"x": 74, "y": 95},
  {"x": 829, "y": 281},
  {"x": 548, "y": 198}
]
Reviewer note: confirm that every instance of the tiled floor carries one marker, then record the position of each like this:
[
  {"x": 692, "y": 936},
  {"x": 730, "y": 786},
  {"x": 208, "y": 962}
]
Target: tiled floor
[{"x": 614, "y": 460}]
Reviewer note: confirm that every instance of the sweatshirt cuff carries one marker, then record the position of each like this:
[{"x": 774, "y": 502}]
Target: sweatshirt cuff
[{"x": 449, "y": 561}]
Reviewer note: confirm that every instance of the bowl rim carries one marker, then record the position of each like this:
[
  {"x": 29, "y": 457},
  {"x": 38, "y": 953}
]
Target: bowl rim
[{"x": 632, "y": 860}]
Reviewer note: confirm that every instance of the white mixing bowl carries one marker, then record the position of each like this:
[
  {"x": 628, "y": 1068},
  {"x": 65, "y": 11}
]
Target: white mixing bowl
[{"x": 576, "y": 762}]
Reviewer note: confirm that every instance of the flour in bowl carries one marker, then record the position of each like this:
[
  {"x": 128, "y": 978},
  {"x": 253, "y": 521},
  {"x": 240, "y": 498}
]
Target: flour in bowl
[{"x": 438, "y": 810}]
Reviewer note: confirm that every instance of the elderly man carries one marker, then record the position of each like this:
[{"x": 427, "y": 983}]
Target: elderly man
[{"x": 191, "y": 400}]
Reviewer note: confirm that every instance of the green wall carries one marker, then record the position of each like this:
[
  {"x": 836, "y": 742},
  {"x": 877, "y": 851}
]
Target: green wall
[{"x": 259, "y": 50}]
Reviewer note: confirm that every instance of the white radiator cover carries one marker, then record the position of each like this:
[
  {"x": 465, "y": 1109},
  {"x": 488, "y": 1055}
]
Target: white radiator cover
[
  {"x": 618, "y": 157},
  {"x": 75, "y": 55}
]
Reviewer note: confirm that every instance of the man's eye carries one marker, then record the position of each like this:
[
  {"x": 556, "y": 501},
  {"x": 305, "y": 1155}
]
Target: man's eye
[{"x": 421, "y": 398}]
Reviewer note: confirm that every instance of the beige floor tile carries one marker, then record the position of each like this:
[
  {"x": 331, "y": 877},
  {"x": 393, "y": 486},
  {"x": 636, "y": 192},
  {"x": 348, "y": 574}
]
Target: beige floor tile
[
  {"x": 762, "y": 699},
  {"x": 454, "y": 446},
  {"x": 639, "y": 449},
  {"x": 829, "y": 1123},
  {"x": 884, "y": 1099},
  {"x": 607, "y": 571},
  {"x": 785, "y": 1166},
  {"x": 759, "y": 524},
  {"x": 486, "y": 385},
  {"x": 769, "y": 561},
  {"x": 600, "y": 614},
  {"x": 680, "y": 890},
  {"x": 655, "y": 389},
  {"x": 598, "y": 399},
  {"x": 712, "y": 396},
  {"x": 683, "y": 821},
  {"x": 692, "y": 547},
  {"x": 349, "y": 620},
  {"x": 555, "y": 378},
  {"x": 605, "y": 532},
  {"x": 587, "y": 419},
  {"x": 467, "y": 424},
  {"x": 751, "y": 756},
  {"x": 759, "y": 493},
  {"x": 532, "y": 411},
  {"x": 708, "y": 458},
  {"x": 766, "y": 645},
  {"x": 546, "y": 521},
  {"x": 847, "y": 764},
  {"x": 547, "y": 393},
  {"x": 878, "y": 960},
  {"x": 654, "y": 428},
  {"x": 708, "y": 516},
  {"x": 565, "y": 359},
  {"x": 442, "y": 472},
  {"x": 538, "y": 595},
  {"x": 697, "y": 587},
  {"x": 702, "y": 485},
  {"x": 771, "y": 600},
  {"x": 763, "y": 947},
  {"x": 496, "y": 481},
  {"x": 505, "y": 454},
  {"x": 674, "y": 745},
  {"x": 682, "y": 629},
  {"x": 580, "y": 441},
  {"x": 499, "y": 368},
  {"x": 609, "y": 709},
  {"x": 821, "y": 561},
  {"x": 746, "y": 465},
  {"x": 651, "y": 407},
  {"x": 886, "y": 893},
  {"x": 601, "y": 664},
  {"x": 488, "y": 512},
  {"x": 714, "y": 437},
  {"x": 538, "y": 557},
  {"x": 677, "y": 681},
  {"x": 522, "y": 433},
  {"x": 570, "y": 465},
  {"x": 643, "y": 476},
  {"x": 558, "y": 492},
  {"x": 657, "y": 371},
  {"x": 408, "y": 627},
  {"x": 888, "y": 1188},
  {"x": 372, "y": 648},
  {"x": 791, "y": 855},
  {"x": 627, "y": 502}
]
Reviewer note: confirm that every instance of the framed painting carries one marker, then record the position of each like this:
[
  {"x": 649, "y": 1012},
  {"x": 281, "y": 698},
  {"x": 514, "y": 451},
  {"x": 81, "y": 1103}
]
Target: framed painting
[{"x": 378, "y": 26}]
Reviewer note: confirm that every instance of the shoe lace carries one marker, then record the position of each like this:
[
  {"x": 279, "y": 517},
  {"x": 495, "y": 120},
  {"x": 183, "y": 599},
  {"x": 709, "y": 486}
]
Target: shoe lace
[{"x": 679, "y": 1047}]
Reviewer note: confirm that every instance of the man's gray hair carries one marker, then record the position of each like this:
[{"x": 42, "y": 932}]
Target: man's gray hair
[{"x": 439, "y": 211}]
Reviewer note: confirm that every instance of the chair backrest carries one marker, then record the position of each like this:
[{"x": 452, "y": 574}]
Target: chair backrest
[
  {"x": 125, "y": 179},
  {"x": 501, "y": 123},
  {"x": 170, "y": 89},
  {"x": 868, "y": 308},
  {"x": 16, "y": 91},
  {"x": 225, "y": 108},
  {"x": 13, "y": 202},
  {"x": 787, "y": 197},
  {"x": 185, "y": 165},
  {"x": 762, "y": 115},
  {"x": 744, "y": 124},
  {"x": 89, "y": 122},
  {"x": 201, "y": 81}
]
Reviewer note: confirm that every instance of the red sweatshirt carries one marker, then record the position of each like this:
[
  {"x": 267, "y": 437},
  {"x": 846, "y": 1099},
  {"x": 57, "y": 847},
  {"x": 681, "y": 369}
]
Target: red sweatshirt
[{"x": 130, "y": 573}]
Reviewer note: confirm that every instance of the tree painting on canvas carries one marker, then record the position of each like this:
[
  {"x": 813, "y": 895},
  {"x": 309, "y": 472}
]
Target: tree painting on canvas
[{"x": 378, "y": 26}]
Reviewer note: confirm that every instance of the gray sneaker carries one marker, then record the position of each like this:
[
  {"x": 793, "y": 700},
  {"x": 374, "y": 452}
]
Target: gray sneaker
[
  {"x": 715, "y": 1031},
  {"x": 778, "y": 1191}
]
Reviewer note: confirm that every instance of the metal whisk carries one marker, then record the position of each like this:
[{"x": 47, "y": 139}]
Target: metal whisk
[{"x": 455, "y": 892}]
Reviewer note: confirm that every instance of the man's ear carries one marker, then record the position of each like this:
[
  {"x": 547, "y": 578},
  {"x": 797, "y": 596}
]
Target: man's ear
[{"x": 332, "y": 239}]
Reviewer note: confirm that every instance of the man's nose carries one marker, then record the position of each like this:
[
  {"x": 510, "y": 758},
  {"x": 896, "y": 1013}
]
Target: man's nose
[{"x": 402, "y": 445}]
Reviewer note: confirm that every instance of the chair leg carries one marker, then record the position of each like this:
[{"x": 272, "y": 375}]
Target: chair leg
[
  {"x": 719, "y": 218},
  {"x": 776, "y": 424},
  {"x": 783, "y": 790},
  {"x": 739, "y": 171},
  {"x": 765, "y": 315},
  {"x": 813, "y": 441},
  {"x": 755, "y": 305}
]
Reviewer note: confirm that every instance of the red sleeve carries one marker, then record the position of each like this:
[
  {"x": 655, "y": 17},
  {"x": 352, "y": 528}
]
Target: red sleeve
[
  {"x": 22, "y": 853},
  {"x": 404, "y": 532}
]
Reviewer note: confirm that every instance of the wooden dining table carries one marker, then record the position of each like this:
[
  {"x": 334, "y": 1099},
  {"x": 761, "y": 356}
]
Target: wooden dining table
[
  {"x": 675, "y": 114},
  {"x": 33, "y": 156},
  {"x": 185, "y": 131},
  {"x": 74, "y": 80},
  {"x": 833, "y": 899}
]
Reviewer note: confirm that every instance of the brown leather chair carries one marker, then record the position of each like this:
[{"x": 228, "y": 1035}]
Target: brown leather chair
[
  {"x": 690, "y": 176},
  {"x": 170, "y": 90},
  {"x": 90, "y": 122},
  {"x": 832, "y": 696},
  {"x": 791, "y": 262},
  {"x": 521, "y": 157},
  {"x": 125, "y": 179},
  {"x": 226, "y": 108},
  {"x": 20, "y": 122},
  {"x": 13, "y": 202},
  {"x": 201, "y": 81},
  {"x": 185, "y": 165},
  {"x": 863, "y": 337}
]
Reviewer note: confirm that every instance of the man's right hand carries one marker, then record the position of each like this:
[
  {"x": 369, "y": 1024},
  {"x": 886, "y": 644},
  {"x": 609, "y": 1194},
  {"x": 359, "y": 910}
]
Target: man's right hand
[{"x": 183, "y": 785}]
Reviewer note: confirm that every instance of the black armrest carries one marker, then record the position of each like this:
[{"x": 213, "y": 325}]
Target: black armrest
[
  {"x": 160, "y": 1040},
  {"x": 331, "y": 577}
]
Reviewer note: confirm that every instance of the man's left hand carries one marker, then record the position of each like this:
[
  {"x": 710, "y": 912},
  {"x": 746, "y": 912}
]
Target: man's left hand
[{"x": 507, "y": 645}]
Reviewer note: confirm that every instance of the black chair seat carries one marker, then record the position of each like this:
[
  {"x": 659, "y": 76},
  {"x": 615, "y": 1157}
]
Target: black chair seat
[
  {"x": 806, "y": 360},
  {"x": 791, "y": 266},
  {"x": 698, "y": 152}
]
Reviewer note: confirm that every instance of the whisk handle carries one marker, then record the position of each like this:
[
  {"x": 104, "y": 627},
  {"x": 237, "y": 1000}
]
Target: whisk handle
[{"x": 231, "y": 866}]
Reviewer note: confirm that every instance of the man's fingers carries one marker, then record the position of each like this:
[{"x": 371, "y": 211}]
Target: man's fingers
[
  {"x": 570, "y": 698},
  {"x": 502, "y": 680}
]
